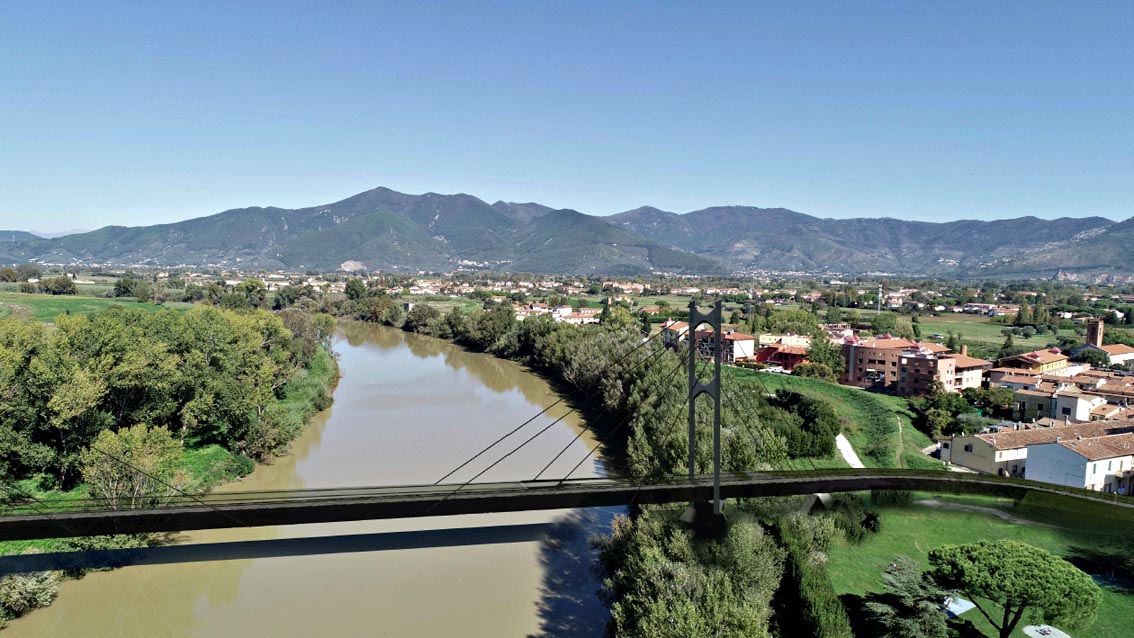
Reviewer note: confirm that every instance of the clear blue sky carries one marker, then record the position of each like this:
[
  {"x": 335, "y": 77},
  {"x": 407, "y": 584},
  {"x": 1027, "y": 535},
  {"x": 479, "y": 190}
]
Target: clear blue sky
[{"x": 158, "y": 111}]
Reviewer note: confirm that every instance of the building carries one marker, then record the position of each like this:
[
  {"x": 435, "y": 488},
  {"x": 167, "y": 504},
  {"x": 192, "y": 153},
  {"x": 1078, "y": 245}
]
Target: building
[
  {"x": 921, "y": 367},
  {"x": 789, "y": 339},
  {"x": 1065, "y": 402},
  {"x": 1006, "y": 452},
  {"x": 787, "y": 357},
  {"x": 1101, "y": 463},
  {"x": 874, "y": 362},
  {"x": 1041, "y": 361},
  {"x": 1116, "y": 354},
  {"x": 737, "y": 346}
]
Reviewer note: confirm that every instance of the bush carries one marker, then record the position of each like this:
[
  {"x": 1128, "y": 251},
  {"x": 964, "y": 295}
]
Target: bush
[
  {"x": 890, "y": 498},
  {"x": 21, "y": 593},
  {"x": 808, "y": 603}
]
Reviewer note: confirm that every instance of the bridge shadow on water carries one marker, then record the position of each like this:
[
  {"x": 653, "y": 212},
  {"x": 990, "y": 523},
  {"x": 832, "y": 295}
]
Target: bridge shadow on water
[
  {"x": 569, "y": 606},
  {"x": 308, "y": 546}
]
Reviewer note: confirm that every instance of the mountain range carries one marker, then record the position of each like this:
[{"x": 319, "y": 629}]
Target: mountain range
[{"x": 387, "y": 230}]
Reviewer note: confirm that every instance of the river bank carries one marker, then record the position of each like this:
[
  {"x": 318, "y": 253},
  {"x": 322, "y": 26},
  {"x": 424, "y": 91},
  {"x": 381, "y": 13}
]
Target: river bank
[{"x": 407, "y": 409}]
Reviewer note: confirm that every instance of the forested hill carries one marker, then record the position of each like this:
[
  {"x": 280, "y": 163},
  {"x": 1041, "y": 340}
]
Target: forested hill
[
  {"x": 385, "y": 229},
  {"x": 16, "y": 235}
]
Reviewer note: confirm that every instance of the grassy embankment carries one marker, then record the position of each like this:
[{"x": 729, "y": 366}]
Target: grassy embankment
[
  {"x": 1073, "y": 530},
  {"x": 871, "y": 422},
  {"x": 205, "y": 466}
]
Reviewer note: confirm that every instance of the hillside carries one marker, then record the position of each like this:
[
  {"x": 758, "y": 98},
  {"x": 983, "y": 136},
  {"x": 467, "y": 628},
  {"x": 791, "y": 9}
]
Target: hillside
[
  {"x": 380, "y": 229},
  {"x": 781, "y": 239},
  {"x": 385, "y": 229},
  {"x": 16, "y": 235}
]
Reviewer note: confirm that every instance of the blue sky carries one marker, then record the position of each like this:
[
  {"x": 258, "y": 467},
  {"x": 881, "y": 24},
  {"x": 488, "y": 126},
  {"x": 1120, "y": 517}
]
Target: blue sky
[{"x": 140, "y": 113}]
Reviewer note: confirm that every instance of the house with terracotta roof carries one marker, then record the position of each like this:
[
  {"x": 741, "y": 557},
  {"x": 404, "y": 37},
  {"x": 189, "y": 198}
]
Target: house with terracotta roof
[
  {"x": 1007, "y": 452},
  {"x": 874, "y": 362},
  {"x": 1041, "y": 361},
  {"x": 1102, "y": 463},
  {"x": 784, "y": 356},
  {"x": 736, "y": 346}
]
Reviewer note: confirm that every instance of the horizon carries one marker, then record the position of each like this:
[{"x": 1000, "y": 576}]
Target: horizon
[
  {"x": 54, "y": 234},
  {"x": 142, "y": 115}
]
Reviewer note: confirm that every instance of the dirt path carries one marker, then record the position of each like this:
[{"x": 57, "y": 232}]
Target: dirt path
[{"x": 1001, "y": 514}]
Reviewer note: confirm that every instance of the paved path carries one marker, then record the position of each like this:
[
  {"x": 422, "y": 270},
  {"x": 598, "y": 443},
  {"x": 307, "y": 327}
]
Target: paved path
[{"x": 848, "y": 452}]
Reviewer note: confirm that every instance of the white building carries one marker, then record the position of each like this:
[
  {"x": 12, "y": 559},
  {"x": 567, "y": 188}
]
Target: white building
[{"x": 1101, "y": 463}]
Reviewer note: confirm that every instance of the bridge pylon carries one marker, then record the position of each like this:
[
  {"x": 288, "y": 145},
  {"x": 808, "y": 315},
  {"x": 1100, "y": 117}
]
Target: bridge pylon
[{"x": 705, "y": 519}]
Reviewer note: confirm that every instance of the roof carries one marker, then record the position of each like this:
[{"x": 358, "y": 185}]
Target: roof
[
  {"x": 936, "y": 348},
  {"x": 1016, "y": 378},
  {"x": 1096, "y": 448},
  {"x": 965, "y": 361},
  {"x": 1016, "y": 439},
  {"x": 1118, "y": 349},
  {"x": 884, "y": 343},
  {"x": 787, "y": 349},
  {"x": 1039, "y": 356}
]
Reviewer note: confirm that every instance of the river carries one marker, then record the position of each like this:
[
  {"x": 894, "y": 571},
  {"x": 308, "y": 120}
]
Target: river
[{"x": 407, "y": 410}]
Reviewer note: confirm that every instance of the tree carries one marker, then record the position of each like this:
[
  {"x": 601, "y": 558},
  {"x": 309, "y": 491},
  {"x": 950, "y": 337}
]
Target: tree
[
  {"x": 1019, "y": 579},
  {"x": 617, "y": 318},
  {"x": 827, "y": 353},
  {"x": 133, "y": 467},
  {"x": 1008, "y": 348},
  {"x": 355, "y": 289},
  {"x": 909, "y": 607},
  {"x": 61, "y": 285}
]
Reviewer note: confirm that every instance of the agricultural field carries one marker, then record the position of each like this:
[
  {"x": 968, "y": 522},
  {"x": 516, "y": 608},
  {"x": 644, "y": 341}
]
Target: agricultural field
[
  {"x": 981, "y": 331},
  {"x": 46, "y": 308},
  {"x": 1083, "y": 534},
  {"x": 879, "y": 427}
]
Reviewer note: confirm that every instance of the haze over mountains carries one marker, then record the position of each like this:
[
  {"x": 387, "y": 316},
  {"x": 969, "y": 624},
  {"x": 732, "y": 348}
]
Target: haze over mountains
[{"x": 384, "y": 229}]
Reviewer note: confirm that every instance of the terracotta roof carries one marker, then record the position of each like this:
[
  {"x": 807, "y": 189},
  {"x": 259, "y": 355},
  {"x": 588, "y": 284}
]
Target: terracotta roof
[
  {"x": 965, "y": 361},
  {"x": 1014, "y": 440},
  {"x": 1097, "y": 448},
  {"x": 786, "y": 349},
  {"x": 1039, "y": 356},
  {"x": 1118, "y": 349}
]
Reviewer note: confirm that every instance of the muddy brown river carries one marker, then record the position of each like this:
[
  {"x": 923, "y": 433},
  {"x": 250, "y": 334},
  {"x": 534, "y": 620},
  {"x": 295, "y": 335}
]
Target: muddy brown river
[{"x": 407, "y": 410}]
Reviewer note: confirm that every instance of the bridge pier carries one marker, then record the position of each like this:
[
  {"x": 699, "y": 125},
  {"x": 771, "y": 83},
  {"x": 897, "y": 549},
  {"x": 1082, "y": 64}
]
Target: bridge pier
[{"x": 705, "y": 521}]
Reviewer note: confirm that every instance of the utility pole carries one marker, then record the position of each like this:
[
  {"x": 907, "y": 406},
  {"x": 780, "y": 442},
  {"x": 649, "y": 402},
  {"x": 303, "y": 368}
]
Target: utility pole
[
  {"x": 879, "y": 298},
  {"x": 704, "y": 520}
]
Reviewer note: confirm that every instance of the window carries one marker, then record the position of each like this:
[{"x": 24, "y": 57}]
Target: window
[
  {"x": 1108, "y": 465},
  {"x": 969, "y": 447},
  {"x": 1065, "y": 411},
  {"x": 945, "y": 444}
]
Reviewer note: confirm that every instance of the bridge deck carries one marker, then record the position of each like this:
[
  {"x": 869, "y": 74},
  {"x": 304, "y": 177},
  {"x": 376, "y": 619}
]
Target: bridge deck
[{"x": 238, "y": 509}]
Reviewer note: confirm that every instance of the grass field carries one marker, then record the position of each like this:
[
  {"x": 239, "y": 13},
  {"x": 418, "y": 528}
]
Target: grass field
[
  {"x": 856, "y": 570},
  {"x": 978, "y": 330},
  {"x": 47, "y": 307},
  {"x": 870, "y": 421}
]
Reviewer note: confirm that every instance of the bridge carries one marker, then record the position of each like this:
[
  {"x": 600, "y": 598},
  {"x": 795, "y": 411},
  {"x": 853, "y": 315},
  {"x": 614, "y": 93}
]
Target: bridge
[{"x": 251, "y": 509}]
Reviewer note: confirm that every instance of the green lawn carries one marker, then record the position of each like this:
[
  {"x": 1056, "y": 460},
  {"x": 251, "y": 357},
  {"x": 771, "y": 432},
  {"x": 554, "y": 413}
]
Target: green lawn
[
  {"x": 870, "y": 421},
  {"x": 47, "y": 307},
  {"x": 914, "y": 530},
  {"x": 978, "y": 330}
]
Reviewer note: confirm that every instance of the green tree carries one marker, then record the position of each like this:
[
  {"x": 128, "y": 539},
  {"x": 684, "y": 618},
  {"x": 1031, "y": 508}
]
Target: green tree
[
  {"x": 61, "y": 285},
  {"x": 355, "y": 289},
  {"x": 1008, "y": 348},
  {"x": 1009, "y": 581},
  {"x": 617, "y": 318},
  {"x": 827, "y": 353},
  {"x": 909, "y": 607},
  {"x": 134, "y": 467}
]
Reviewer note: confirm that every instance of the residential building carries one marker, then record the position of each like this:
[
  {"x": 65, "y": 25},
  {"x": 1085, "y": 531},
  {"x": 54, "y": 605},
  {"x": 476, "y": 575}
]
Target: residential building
[
  {"x": 1042, "y": 361},
  {"x": 1101, "y": 463},
  {"x": 1006, "y": 452},
  {"x": 873, "y": 362},
  {"x": 736, "y": 346},
  {"x": 787, "y": 357}
]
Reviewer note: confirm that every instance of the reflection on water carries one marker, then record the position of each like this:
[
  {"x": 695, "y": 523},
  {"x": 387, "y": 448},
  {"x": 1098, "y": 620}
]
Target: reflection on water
[{"x": 408, "y": 410}]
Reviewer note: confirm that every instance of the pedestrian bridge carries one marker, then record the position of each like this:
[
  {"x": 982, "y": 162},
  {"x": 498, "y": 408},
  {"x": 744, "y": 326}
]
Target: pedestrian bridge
[{"x": 83, "y": 517}]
